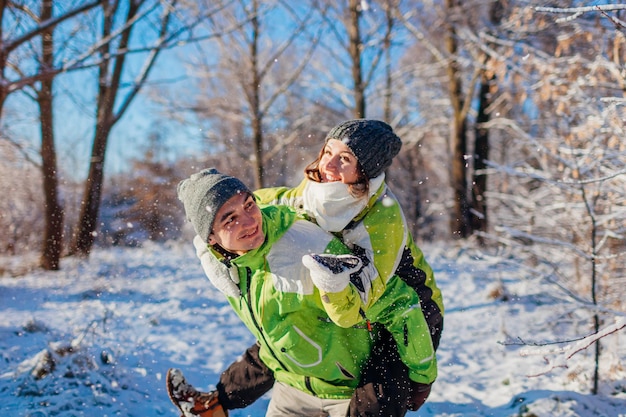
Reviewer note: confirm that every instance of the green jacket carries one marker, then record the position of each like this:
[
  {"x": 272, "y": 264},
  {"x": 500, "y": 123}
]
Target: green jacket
[
  {"x": 283, "y": 309},
  {"x": 381, "y": 230}
]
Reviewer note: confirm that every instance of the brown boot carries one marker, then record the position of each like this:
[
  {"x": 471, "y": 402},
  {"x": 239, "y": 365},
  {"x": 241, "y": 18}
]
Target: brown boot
[{"x": 190, "y": 402}]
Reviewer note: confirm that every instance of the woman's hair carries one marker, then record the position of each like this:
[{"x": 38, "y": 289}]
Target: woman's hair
[{"x": 357, "y": 189}]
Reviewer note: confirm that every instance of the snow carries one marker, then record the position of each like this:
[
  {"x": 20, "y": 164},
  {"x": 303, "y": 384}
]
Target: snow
[{"x": 97, "y": 337}]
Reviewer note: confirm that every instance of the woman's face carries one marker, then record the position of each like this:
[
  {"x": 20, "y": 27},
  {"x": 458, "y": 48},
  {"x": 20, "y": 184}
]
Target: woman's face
[
  {"x": 238, "y": 225},
  {"x": 338, "y": 163}
]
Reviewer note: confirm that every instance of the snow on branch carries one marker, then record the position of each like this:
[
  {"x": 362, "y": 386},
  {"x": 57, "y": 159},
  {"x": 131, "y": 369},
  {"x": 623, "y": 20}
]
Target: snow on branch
[
  {"x": 576, "y": 12},
  {"x": 566, "y": 352},
  {"x": 604, "y": 8}
]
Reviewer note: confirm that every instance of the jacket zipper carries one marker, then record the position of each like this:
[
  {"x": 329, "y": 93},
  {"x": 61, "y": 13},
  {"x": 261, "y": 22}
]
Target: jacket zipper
[
  {"x": 307, "y": 380},
  {"x": 254, "y": 320}
]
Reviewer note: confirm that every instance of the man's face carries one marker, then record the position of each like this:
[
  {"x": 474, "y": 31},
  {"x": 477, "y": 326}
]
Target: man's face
[{"x": 238, "y": 225}]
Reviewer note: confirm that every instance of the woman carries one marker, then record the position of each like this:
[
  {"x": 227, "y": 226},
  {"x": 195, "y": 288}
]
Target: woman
[{"x": 344, "y": 192}]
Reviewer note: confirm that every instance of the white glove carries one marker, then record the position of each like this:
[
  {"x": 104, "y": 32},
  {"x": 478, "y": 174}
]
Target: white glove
[
  {"x": 331, "y": 273},
  {"x": 222, "y": 277}
]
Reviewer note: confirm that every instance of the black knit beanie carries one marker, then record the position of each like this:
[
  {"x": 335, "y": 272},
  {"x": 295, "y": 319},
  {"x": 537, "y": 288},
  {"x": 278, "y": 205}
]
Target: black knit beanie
[
  {"x": 372, "y": 142},
  {"x": 203, "y": 194}
]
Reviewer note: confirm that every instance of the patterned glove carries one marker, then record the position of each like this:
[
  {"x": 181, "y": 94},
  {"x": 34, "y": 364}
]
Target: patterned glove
[
  {"x": 223, "y": 277},
  {"x": 331, "y": 273}
]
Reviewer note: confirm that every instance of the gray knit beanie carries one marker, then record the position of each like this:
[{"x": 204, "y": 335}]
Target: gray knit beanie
[
  {"x": 372, "y": 142},
  {"x": 203, "y": 194}
]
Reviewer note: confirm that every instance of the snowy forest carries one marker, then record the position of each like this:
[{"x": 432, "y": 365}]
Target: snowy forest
[{"x": 512, "y": 116}]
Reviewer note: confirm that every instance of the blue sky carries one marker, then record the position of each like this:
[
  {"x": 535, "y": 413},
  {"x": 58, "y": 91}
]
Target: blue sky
[{"x": 74, "y": 122}]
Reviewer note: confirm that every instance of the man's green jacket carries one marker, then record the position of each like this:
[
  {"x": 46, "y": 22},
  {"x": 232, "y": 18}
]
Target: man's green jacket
[{"x": 299, "y": 343}]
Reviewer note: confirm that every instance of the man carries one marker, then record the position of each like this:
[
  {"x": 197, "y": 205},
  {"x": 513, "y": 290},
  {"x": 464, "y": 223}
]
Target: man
[{"x": 316, "y": 364}]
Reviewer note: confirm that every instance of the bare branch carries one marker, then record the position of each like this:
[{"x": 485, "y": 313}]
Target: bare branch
[
  {"x": 148, "y": 64},
  {"x": 576, "y": 12},
  {"x": 9, "y": 46},
  {"x": 568, "y": 351},
  {"x": 567, "y": 10}
]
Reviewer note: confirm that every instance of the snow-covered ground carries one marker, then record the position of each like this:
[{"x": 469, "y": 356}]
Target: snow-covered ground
[{"x": 96, "y": 339}]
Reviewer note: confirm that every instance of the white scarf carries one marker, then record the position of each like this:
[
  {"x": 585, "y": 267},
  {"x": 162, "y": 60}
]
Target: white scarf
[{"x": 331, "y": 204}]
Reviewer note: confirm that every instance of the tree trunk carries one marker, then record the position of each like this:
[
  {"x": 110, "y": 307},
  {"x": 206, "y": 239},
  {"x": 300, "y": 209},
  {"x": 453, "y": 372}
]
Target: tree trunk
[
  {"x": 481, "y": 155},
  {"x": 84, "y": 235},
  {"x": 479, "y": 220},
  {"x": 388, "y": 63},
  {"x": 459, "y": 220},
  {"x": 4, "y": 89},
  {"x": 255, "y": 102},
  {"x": 53, "y": 233},
  {"x": 355, "y": 54},
  {"x": 594, "y": 285},
  {"x": 257, "y": 139}
]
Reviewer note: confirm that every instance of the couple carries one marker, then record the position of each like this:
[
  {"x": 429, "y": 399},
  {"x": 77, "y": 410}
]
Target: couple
[{"x": 335, "y": 319}]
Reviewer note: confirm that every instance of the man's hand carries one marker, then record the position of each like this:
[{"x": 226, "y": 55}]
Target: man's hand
[
  {"x": 419, "y": 394},
  {"x": 222, "y": 277}
]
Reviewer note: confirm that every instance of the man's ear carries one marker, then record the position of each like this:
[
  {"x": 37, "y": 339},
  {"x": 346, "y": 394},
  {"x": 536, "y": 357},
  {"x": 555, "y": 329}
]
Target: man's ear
[{"x": 211, "y": 240}]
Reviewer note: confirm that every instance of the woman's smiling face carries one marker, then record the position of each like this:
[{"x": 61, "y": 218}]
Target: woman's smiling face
[{"x": 338, "y": 163}]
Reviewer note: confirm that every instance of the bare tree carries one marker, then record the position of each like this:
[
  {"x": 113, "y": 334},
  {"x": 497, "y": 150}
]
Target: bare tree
[
  {"x": 245, "y": 95},
  {"x": 109, "y": 76},
  {"x": 22, "y": 71},
  {"x": 358, "y": 36},
  {"x": 114, "y": 97}
]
